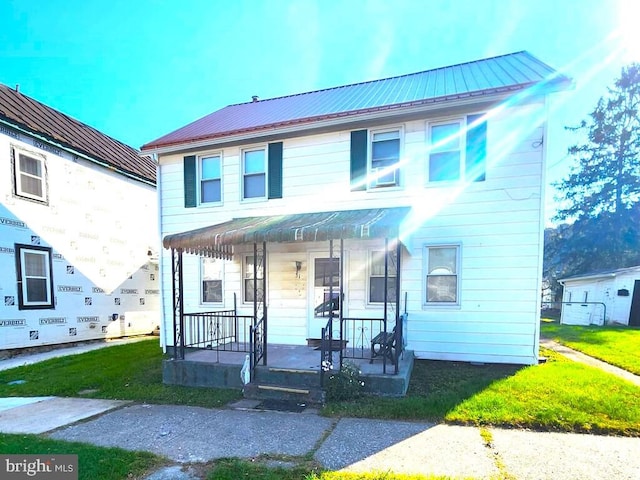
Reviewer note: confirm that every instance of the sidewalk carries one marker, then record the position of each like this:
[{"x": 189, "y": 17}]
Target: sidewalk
[
  {"x": 586, "y": 359},
  {"x": 195, "y": 435}
]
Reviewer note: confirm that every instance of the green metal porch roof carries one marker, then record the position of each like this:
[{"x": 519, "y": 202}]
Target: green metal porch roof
[{"x": 218, "y": 240}]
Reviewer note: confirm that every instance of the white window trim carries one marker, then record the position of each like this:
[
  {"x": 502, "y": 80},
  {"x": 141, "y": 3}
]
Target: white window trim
[
  {"x": 371, "y": 183},
  {"x": 425, "y": 265},
  {"x": 392, "y": 270},
  {"x": 265, "y": 149},
  {"x": 201, "y": 293},
  {"x": 201, "y": 179},
  {"x": 17, "y": 151},
  {"x": 462, "y": 121},
  {"x": 23, "y": 304},
  {"x": 244, "y": 277}
]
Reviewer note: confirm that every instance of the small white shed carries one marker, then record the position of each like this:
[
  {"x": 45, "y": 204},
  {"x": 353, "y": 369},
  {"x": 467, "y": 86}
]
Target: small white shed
[{"x": 605, "y": 297}]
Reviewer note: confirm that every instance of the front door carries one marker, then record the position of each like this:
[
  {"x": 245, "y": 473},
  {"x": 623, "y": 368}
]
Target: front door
[{"x": 324, "y": 293}]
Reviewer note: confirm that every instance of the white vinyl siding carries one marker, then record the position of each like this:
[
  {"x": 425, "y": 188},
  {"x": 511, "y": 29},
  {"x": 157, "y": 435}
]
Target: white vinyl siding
[{"x": 497, "y": 224}]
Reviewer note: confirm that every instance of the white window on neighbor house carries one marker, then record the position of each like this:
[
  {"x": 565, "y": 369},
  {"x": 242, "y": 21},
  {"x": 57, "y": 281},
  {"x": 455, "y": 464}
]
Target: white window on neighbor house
[
  {"x": 212, "y": 274},
  {"x": 254, "y": 173},
  {"x": 385, "y": 157},
  {"x": 376, "y": 277},
  {"x": 252, "y": 272},
  {"x": 445, "y": 153},
  {"x": 211, "y": 178},
  {"x": 35, "y": 281},
  {"x": 30, "y": 175},
  {"x": 442, "y": 270}
]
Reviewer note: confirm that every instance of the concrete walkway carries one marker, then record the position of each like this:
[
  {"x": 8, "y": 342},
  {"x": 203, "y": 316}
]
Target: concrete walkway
[
  {"x": 586, "y": 359},
  {"x": 192, "y": 435}
]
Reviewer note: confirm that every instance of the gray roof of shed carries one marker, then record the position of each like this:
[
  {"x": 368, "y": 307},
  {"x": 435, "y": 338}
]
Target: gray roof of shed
[
  {"x": 602, "y": 274},
  {"x": 506, "y": 73}
]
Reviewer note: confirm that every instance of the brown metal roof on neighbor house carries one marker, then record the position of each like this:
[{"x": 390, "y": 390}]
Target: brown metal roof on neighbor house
[
  {"x": 513, "y": 72},
  {"x": 21, "y": 111},
  {"x": 217, "y": 240}
]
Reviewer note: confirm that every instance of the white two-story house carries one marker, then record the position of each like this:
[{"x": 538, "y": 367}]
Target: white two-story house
[
  {"x": 421, "y": 193},
  {"x": 78, "y": 230}
]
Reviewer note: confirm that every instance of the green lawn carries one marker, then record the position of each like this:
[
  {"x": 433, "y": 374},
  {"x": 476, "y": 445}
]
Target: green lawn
[
  {"x": 93, "y": 462},
  {"x": 618, "y": 346},
  {"x": 233, "y": 469},
  {"x": 125, "y": 372},
  {"x": 558, "y": 395}
]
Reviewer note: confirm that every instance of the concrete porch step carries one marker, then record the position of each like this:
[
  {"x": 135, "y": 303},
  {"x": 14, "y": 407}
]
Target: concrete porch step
[
  {"x": 268, "y": 391},
  {"x": 288, "y": 377}
]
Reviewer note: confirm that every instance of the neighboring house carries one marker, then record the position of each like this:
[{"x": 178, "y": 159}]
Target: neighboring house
[
  {"x": 78, "y": 230},
  {"x": 439, "y": 175},
  {"x": 605, "y": 297}
]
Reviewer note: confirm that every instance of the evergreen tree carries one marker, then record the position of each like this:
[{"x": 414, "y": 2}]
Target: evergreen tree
[
  {"x": 607, "y": 177},
  {"x": 601, "y": 194}
]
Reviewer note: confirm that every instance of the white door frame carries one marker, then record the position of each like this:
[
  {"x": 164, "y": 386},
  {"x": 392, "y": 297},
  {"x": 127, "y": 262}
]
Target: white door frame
[{"x": 315, "y": 325}]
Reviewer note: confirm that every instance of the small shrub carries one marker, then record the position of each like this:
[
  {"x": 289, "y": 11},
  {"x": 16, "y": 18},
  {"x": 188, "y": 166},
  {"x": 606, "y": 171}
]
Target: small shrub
[{"x": 345, "y": 384}]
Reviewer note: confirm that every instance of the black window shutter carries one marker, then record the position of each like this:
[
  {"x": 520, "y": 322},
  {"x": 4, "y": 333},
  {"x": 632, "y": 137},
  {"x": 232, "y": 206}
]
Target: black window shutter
[
  {"x": 190, "y": 181},
  {"x": 476, "y": 154},
  {"x": 275, "y": 170},
  {"x": 358, "y": 160}
]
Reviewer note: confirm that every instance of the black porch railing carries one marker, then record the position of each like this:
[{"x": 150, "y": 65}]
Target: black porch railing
[
  {"x": 367, "y": 338},
  {"x": 258, "y": 343},
  {"x": 222, "y": 330},
  {"x": 326, "y": 349}
]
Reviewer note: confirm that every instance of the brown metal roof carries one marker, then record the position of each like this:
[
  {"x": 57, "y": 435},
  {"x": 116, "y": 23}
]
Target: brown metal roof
[
  {"x": 28, "y": 114},
  {"x": 516, "y": 71},
  {"x": 217, "y": 240}
]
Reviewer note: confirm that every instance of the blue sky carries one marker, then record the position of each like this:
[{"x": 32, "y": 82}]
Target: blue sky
[{"x": 138, "y": 69}]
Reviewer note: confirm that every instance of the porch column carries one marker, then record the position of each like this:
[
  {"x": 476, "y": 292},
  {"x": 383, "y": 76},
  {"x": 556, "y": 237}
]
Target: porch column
[
  {"x": 264, "y": 301},
  {"x": 178, "y": 304},
  {"x": 386, "y": 294}
]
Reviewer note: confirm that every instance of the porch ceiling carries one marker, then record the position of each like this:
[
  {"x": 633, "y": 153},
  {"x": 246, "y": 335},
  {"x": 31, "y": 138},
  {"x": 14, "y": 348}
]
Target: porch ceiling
[{"x": 218, "y": 240}]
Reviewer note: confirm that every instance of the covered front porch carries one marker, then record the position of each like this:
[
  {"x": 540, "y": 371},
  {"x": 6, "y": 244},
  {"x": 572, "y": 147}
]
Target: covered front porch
[{"x": 234, "y": 347}]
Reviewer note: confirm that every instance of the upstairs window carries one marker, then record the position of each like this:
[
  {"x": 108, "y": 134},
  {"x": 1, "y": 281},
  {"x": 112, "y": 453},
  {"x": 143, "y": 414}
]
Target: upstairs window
[
  {"x": 261, "y": 176},
  {"x": 385, "y": 155},
  {"x": 457, "y": 150},
  {"x": 375, "y": 158},
  {"x": 35, "y": 281},
  {"x": 211, "y": 273},
  {"x": 442, "y": 271},
  {"x": 254, "y": 174},
  {"x": 445, "y": 156},
  {"x": 211, "y": 179},
  {"x": 30, "y": 178}
]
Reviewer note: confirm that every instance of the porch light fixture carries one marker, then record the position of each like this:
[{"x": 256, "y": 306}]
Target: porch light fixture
[{"x": 298, "y": 268}]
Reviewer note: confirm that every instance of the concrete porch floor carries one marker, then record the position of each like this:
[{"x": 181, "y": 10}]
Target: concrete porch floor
[{"x": 215, "y": 368}]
